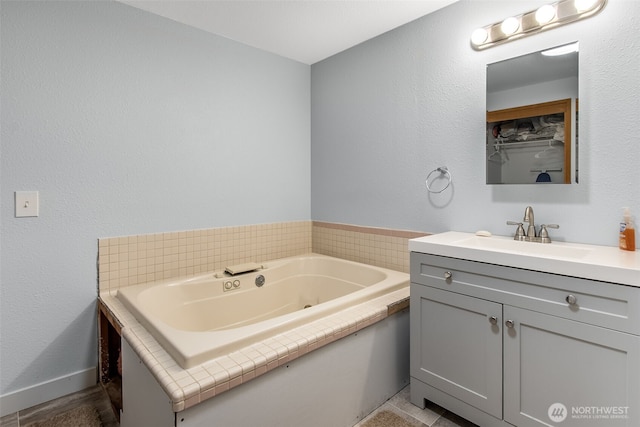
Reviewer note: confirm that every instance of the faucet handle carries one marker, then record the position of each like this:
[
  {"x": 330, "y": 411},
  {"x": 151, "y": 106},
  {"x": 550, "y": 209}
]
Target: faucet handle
[
  {"x": 519, "y": 232},
  {"x": 544, "y": 235}
]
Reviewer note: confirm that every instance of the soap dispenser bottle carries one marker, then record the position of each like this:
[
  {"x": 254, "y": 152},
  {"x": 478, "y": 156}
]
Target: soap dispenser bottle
[{"x": 627, "y": 232}]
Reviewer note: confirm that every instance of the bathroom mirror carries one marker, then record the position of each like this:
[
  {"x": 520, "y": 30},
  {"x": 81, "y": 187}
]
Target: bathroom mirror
[{"x": 531, "y": 129}]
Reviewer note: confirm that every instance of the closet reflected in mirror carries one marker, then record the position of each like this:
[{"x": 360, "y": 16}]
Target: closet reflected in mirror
[{"x": 531, "y": 129}]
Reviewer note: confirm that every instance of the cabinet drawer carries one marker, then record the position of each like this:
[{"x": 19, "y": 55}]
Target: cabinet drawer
[{"x": 600, "y": 303}]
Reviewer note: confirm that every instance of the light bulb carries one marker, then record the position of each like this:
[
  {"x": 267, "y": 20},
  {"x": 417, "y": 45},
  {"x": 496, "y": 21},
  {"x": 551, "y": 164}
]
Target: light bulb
[
  {"x": 545, "y": 14},
  {"x": 479, "y": 36},
  {"x": 510, "y": 25}
]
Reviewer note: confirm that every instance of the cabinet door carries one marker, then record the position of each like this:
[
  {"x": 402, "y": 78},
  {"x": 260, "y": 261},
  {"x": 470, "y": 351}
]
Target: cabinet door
[
  {"x": 456, "y": 348},
  {"x": 562, "y": 372}
]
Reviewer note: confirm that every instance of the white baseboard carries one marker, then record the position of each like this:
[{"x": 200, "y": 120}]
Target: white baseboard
[{"x": 48, "y": 390}]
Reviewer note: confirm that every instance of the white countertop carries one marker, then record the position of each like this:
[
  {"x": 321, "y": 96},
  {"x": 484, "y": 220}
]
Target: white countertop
[{"x": 605, "y": 263}]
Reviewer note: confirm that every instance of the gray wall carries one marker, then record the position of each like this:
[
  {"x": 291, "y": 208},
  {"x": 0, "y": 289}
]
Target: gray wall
[
  {"x": 128, "y": 123},
  {"x": 387, "y": 112}
]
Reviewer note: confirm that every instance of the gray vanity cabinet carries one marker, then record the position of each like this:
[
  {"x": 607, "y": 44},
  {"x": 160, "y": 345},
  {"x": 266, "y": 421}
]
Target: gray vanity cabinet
[
  {"x": 550, "y": 360},
  {"x": 505, "y": 346},
  {"x": 461, "y": 352}
]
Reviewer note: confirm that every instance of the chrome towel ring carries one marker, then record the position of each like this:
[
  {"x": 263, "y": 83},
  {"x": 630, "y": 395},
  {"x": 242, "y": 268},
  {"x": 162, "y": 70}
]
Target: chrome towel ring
[{"x": 441, "y": 171}]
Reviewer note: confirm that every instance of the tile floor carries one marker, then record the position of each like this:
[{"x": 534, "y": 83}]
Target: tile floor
[
  {"x": 95, "y": 396},
  {"x": 431, "y": 416}
]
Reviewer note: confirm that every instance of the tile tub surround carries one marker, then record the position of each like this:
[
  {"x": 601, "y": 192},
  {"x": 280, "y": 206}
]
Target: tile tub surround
[
  {"x": 382, "y": 247},
  {"x": 188, "y": 387},
  {"x": 131, "y": 260}
]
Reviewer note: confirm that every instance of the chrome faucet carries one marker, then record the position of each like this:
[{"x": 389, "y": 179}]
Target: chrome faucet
[
  {"x": 528, "y": 217},
  {"x": 531, "y": 235}
]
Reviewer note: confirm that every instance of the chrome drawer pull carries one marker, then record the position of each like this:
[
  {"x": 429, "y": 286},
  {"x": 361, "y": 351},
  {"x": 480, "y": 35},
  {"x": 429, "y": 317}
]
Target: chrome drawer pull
[
  {"x": 571, "y": 299},
  {"x": 493, "y": 320},
  {"x": 447, "y": 275},
  {"x": 510, "y": 323}
]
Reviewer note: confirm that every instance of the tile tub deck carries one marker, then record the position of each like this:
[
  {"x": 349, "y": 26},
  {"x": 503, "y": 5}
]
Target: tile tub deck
[{"x": 188, "y": 387}]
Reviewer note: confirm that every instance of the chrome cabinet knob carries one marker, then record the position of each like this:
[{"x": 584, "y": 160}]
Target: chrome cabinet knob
[
  {"x": 571, "y": 299},
  {"x": 510, "y": 323},
  {"x": 493, "y": 320},
  {"x": 447, "y": 275}
]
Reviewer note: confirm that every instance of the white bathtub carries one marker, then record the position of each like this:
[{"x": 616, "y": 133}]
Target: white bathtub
[{"x": 196, "y": 320}]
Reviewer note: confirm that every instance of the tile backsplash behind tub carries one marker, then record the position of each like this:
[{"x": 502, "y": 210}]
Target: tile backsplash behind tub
[
  {"x": 130, "y": 260},
  {"x": 382, "y": 247}
]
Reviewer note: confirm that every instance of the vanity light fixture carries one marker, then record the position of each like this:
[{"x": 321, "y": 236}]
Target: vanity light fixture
[
  {"x": 544, "y": 18},
  {"x": 583, "y": 5}
]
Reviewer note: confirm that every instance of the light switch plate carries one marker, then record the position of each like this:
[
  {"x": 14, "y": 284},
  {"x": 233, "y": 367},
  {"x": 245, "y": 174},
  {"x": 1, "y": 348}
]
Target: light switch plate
[{"x": 26, "y": 204}]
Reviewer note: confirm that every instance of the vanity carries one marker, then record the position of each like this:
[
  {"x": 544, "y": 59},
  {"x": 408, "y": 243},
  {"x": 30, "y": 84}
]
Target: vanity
[{"x": 514, "y": 333}]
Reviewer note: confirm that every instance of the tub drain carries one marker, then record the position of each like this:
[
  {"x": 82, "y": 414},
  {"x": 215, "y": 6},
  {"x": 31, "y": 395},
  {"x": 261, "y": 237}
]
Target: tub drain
[{"x": 306, "y": 306}]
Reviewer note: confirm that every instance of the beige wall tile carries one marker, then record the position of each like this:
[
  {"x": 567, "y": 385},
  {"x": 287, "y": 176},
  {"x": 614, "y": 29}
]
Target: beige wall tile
[{"x": 130, "y": 260}]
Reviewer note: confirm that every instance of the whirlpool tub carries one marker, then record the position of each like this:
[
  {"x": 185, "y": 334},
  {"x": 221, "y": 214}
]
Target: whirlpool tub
[{"x": 203, "y": 317}]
